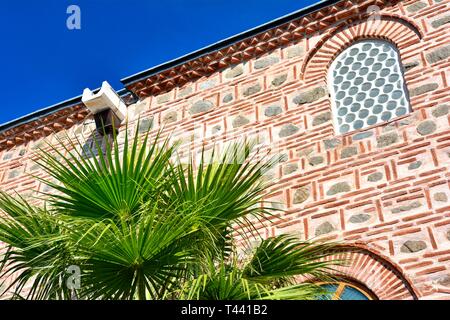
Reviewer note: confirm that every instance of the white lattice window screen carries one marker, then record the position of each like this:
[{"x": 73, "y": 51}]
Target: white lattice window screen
[{"x": 367, "y": 86}]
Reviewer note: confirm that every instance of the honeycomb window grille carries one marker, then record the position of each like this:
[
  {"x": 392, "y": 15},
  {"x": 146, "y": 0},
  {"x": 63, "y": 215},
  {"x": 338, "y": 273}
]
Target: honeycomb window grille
[{"x": 367, "y": 86}]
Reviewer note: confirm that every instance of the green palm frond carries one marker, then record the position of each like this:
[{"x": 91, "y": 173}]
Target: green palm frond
[
  {"x": 231, "y": 183},
  {"x": 223, "y": 281},
  {"x": 269, "y": 272},
  {"x": 229, "y": 188},
  {"x": 138, "y": 258},
  {"x": 286, "y": 256},
  {"x": 37, "y": 249},
  {"x": 141, "y": 226},
  {"x": 111, "y": 185}
]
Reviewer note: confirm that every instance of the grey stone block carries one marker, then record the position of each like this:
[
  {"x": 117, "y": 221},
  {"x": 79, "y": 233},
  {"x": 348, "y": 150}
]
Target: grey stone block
[
  {"x": 408, "y": 207},
  {"x": 34, "y": 167},
  {"x": 294, "y": 51},
  {"x": 316, "y": 160},
  {"x": 301, "y": 195},
  {"x": 321, "y": 118},
  {"x": 279, "y": 80},
  {"x": 140, "y": 107},
  {"x": 234, "y": 72},
  {"x": 410, "y": 65},
  {"x": 426, "y": 127},
  {"x": 441, "y": 110},
  {"x": 324, "y": 228},
  {"x": 389, "y": 127},
  {"x": 438, "y": 54},
  {"x": 331, "y": 143},
  {"x": 387, "y": 139},
  {"x": 185, "y": 92},
  {"x": 359, "y": 218},
  {"x": 310, "y": 96},
  {"x": 414, "y": 165},
  {"x": 416, "y": 6},
  {"x": 444, "y": 280},
  {"x": 227, "y": 98},
  {"x": 7, "y": 156},
  {"x": 170, "y": 117},
  {"x": 440, "y": 22},
  {"x": 240, "y": 121},
  {"x": 290, "y": 168},
  {"x": 163, "y": 98},
  {"x": 423, "y": 89},
  {"x": 338, "y": 188},
  {"x": 305, "y": 152},
  {"x": 252, "y": 90},
  {"x": 207, "y": 84},
  {"x": 362, "y": 135},
  {"x": 374, "y": 177},
  {"x": 273, "y": 111},
  {"x": 145, "y": 125},
  {"x": 265, "y": 62},
  {"x": 201, "y": 106},
  {"x": 288, "y": 130},
  {"x": 411, "y": 246},
  {"x": 440, "y": 197},
  {"x": 216, "y": 129},
  {"x": 13, "y": 174},
  {"x": 349, "y": 152}
]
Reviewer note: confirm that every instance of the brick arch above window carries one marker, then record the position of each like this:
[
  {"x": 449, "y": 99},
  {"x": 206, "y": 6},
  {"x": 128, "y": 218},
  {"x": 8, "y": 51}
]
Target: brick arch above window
[
  {"x": 397, "y": 30},
  {"x": 375, "y": 271}
]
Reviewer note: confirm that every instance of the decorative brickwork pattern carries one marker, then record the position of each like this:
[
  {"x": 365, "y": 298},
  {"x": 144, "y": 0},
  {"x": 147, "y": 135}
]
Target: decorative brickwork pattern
[{"x": 374, "y": 271}]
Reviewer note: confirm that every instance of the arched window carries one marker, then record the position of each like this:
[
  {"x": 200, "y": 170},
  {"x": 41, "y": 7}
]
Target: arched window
[
  {"x": 367, "y": 86},
  {"x": 346, "y": 291}
]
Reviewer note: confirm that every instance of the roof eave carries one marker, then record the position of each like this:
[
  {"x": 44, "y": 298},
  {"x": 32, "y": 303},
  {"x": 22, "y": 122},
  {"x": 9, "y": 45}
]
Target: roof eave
[{"x": 49, "y": 110}]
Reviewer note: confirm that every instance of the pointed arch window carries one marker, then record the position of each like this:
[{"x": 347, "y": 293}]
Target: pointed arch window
[{"x": 367, "y": 86}]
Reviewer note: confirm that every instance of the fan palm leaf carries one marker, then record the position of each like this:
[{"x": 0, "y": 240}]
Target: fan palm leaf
[
  {"x": 36, "y": 248},
  {"x": 142, "y": 226}
]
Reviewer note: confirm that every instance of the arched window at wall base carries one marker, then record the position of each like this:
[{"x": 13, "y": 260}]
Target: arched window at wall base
[
  {"x": 373, "y": 271},
  {"x": 347, "y": 289}
]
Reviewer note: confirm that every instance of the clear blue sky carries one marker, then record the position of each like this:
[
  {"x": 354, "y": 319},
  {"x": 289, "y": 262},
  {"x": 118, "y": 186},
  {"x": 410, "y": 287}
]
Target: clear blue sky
[{"x": 43, "y": 62}]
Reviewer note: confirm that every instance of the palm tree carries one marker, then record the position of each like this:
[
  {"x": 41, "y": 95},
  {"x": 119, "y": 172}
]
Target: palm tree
[{"x": 137, "y": 223}]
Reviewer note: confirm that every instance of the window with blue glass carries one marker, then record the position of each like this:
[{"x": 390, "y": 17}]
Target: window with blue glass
[{"x": 345, "y": 291}]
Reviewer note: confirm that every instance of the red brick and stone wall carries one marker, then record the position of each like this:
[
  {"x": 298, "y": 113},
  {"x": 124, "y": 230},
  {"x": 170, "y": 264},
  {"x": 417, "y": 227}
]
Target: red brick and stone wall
[{"x": 382, "y": 191}]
